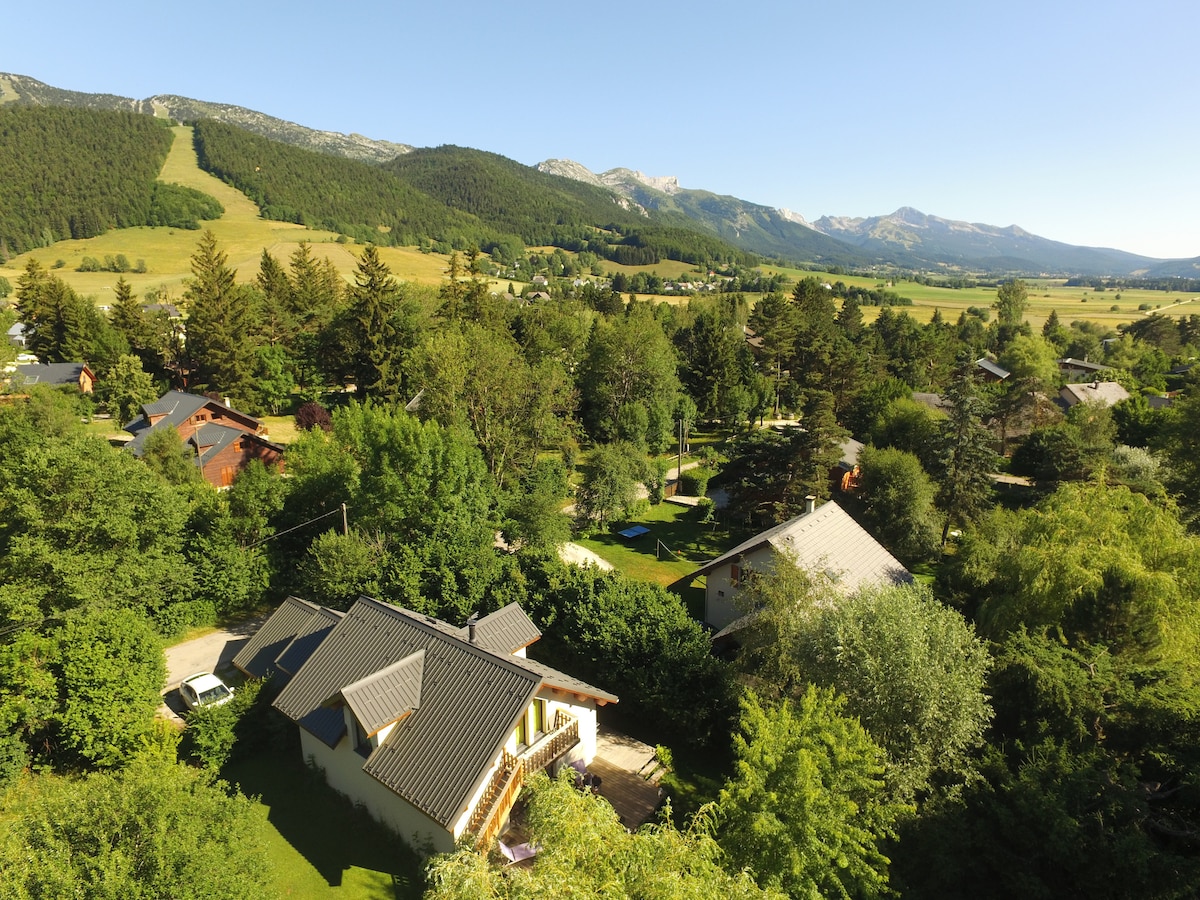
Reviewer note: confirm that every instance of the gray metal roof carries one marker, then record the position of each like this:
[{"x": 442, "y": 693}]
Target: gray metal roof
[
  {"x": 470, "y": 699},
  {"x": 257, "y": 657},
  {"x": 307, "y": 639},
  {"x": 50, "y": 373},
  {"x": 176, "y": 407},
  {"x": 505, "y": 631},
  {"x": 993, "y": 368},
  {"x": 383, "y": 697},
  {"x": 1106, "y": 392},
  {"x": 829, "y": 541}
]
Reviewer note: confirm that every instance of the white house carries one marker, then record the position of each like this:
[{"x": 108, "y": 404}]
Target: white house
[
  {"x": 823, "y": 539},
  {"x": 433, "y": 728},
  {"x": 1106, "y": 392}
]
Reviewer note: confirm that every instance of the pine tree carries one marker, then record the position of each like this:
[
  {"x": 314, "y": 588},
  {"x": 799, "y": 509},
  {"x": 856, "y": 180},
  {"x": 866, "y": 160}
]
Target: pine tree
[
  {"x": 965, "y": 457},
  {"x": 374, "y": 299},
  {"x": 221, "y": 333}
]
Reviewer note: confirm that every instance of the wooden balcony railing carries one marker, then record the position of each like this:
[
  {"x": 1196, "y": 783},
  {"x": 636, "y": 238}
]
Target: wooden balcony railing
[{"x": 501, "y": 793}]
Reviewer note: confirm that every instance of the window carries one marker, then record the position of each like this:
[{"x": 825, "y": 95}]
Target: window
[
  {"x": 735, "y": 574},
  {"x": 522, "y": 732},
  {"x": 539, "y": 717}
]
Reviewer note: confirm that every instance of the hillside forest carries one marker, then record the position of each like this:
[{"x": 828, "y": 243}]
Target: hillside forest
[{"x": 1022, "y": 721}]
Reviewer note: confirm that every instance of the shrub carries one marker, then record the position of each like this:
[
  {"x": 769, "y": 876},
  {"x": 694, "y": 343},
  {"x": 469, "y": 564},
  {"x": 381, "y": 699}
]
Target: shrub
[
  {"x": 176, "y": 619},
  {"x": 313, "y": 415},
  {"x": 213, "y": 731},
  {"x": 694, "y": 482}
]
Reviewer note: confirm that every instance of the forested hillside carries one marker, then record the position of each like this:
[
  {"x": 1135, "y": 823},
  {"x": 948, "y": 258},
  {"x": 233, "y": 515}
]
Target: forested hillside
[
  {"x": 548, "y": 209},
  {"x": 73, "y": 173},
  {"x": 350, "y": 197}
]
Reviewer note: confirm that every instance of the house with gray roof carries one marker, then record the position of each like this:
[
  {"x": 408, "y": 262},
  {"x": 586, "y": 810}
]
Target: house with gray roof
[
  {"x": 824, "y": 540},
  {"x": 992, "y": 370},
  {"x": 225, "y": 439},
  {"x": 1107, "y": 392},
  {"x": 433, "y": 728},
  {"x": 69, "y": 375}
]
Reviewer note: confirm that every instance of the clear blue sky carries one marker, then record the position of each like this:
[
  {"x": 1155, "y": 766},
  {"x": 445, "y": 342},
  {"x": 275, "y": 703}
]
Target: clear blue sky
[{"x": 1078, "y": 121}]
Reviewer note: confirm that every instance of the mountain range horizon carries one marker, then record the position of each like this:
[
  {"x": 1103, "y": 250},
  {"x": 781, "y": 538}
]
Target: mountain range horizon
[{"x": 907, "y": 238}]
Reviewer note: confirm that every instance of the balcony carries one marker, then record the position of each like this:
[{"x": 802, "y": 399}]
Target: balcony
[{"x": 510, "y": 776}]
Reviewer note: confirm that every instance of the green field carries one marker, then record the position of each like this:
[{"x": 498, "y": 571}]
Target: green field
[
  {"x": 241, "y": 233},
  {"x": 1072, "y": 303}
]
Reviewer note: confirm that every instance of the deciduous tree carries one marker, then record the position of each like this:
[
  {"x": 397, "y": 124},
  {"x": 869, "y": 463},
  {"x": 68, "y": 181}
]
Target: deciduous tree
[{"x": 805, "y": 810}]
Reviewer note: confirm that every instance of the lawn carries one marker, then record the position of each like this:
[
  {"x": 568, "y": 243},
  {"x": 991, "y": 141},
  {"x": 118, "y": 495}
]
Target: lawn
[
  {"x": 676, "y": 546},
  {"x": 321, "y": 846}
]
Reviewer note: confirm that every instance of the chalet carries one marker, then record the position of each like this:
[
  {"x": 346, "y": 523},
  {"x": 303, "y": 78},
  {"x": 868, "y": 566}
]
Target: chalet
[
  {"x": 823, "y": 539},
  {"x": 225, "y": 439},
  {"x": 1074, "y": 369},
  {"x": 432, "y": 728},
  {"x": 76, "y": 375},
  {"x": 991, "y": 370},
  {"x": 1106, "y": 392}
]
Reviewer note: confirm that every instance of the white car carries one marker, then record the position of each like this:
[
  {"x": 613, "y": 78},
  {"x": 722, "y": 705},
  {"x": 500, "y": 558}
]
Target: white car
[{"x": 204, "y": 689}]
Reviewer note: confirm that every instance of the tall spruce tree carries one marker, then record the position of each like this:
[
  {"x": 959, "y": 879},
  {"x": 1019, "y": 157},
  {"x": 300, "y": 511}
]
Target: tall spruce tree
[
  {"x": 965, "y": 457},
  {"x": 374, "y": 299},
  {"x": 221, "y": 323}
]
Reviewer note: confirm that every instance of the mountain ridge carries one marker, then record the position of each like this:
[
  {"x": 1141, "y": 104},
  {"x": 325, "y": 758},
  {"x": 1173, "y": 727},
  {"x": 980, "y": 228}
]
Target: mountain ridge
[
  {"x": 906, "y": 238},
  {"x": 23, "y": 89}
]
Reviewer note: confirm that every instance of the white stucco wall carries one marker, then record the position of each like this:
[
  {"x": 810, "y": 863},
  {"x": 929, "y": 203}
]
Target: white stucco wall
[
  {"x": 720, "y": 607},
  {"x": 344, "y": 773}
]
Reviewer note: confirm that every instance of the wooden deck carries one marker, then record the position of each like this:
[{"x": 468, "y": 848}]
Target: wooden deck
[{"x": 628, "y": 776}]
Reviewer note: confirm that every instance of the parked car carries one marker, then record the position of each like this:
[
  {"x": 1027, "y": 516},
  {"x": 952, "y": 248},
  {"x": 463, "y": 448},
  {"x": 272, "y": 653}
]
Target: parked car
[{"x": 204, "y": 689}]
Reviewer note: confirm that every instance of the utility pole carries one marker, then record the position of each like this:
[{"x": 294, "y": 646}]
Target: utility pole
[{"x": 345, "y": 522}]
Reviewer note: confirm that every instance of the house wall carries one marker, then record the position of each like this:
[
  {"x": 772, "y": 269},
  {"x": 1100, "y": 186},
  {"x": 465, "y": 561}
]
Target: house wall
[
  {"x": 585, "y": 750},
  {"x": 221, "y": 469},
  {"x": 720, "y": 592},
  {"x": 344, "y": 773}
]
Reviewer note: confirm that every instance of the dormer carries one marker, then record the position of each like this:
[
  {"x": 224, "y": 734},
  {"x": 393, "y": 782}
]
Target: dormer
[{"x": 374, "y": 705}]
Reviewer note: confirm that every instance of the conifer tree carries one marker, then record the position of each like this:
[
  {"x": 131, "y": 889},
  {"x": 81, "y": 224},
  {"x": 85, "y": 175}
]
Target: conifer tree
[{"x": 221, "y": 332}]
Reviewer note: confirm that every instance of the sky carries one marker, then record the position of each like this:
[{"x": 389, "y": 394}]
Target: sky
[{"x": 1077, "y": 121}]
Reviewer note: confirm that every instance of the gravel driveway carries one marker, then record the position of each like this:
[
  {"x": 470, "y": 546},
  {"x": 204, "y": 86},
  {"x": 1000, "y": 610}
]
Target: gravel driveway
[{"x": 210, "y": 653}]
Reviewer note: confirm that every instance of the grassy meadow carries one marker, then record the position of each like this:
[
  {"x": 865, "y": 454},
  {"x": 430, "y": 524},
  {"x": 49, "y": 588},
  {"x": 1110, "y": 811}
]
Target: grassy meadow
[
  {"x": 243, "y": 234},
  {"x": 1072, "y": 303}
]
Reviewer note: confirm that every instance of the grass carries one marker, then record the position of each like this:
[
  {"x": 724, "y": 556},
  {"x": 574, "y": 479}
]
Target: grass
[
  {"x": 320, "y": 845},
  {"x": 241, "y": 233},
  {"x": 1072, "y": 303},
  {"x": 675, "y": 526}
]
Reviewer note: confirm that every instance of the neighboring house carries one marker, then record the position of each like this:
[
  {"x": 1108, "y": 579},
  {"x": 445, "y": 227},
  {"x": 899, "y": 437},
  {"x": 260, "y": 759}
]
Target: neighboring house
[
  {"x": 76, "y": 375},
  {"x": 225, "y": 439},
  {"x": 16, "y": 334},
  {"x": 1106, "y": 392},
  {"x": 992, "y": 371},
  {"x": 823, "y": 540},
  {"x": 170, "y": 309},
  {"x": 846, "y": 475},
  {"x": 936, "y": 402},
  {"x": 1080, "y": 368},
  {"x": 433, "y": 728}
]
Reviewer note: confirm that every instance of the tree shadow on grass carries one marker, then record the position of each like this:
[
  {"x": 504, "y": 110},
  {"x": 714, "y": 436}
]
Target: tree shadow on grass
[{"x": 330, "y": 832}]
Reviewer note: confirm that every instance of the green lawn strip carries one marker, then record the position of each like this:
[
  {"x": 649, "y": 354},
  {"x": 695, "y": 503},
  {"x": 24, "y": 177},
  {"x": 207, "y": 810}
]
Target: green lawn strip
[
  {"x": 321, "y": 845},
  {"x": 677, "y": 527}
]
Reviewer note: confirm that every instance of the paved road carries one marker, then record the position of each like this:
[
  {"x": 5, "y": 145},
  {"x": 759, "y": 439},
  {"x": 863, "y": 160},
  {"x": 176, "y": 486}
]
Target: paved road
[{"x": 211, "y": 653}]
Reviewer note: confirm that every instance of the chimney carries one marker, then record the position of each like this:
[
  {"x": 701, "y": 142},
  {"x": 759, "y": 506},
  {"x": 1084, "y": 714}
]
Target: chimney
[
  {"x": 810, "y": 504},
  {"x": 471, "y": 627}
]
